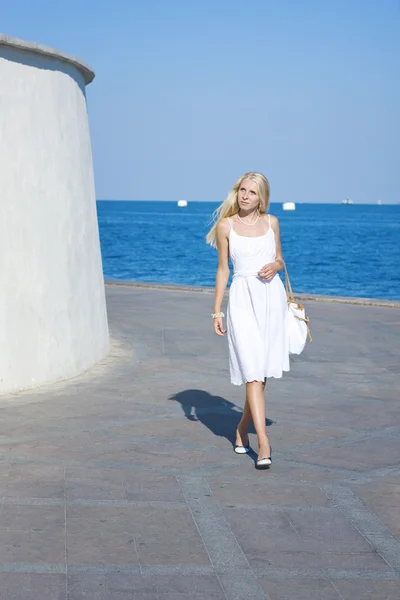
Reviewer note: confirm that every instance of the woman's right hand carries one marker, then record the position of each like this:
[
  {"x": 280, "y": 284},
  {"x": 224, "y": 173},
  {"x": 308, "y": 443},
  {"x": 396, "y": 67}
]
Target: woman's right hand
[{"x": 219, "y": 326}]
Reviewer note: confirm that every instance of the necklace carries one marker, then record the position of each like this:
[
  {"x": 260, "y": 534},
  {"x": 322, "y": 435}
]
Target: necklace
[{"x": 249, "y": 224}]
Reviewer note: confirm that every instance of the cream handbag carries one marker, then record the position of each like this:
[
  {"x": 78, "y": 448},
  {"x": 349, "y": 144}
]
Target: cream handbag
[{"x": 296, "y": 321}]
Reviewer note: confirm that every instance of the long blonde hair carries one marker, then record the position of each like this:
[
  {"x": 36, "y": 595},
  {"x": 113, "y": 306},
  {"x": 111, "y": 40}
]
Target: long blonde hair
[{"x": 230, "y": 205}]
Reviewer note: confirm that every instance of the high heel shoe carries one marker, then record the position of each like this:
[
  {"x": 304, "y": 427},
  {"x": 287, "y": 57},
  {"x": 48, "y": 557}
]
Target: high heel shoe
[{"x": 264, "y": 463}]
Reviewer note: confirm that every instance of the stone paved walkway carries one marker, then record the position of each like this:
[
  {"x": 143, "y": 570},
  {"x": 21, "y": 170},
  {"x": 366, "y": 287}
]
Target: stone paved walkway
[{"x": 122, "y": 484}]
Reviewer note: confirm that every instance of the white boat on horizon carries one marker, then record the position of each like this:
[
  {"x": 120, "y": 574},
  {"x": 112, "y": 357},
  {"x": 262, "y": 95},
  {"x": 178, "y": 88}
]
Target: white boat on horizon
[
  {"x": 182, "y": 203},
  {"x": 347, "y": 201},
  {"x": 289, "y": 206}
]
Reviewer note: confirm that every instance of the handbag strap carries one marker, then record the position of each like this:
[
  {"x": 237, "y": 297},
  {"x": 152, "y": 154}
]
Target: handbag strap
[
  {"x": 291, "y": 298},
  {"x": 288, "y": 286}
]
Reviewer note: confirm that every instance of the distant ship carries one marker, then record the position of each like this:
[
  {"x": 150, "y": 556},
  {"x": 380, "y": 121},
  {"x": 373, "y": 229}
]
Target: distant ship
[
  {"x": 182, "y": 203},
  {"x": 347, "y": 201},
  {"x": 289, "y": 206}
]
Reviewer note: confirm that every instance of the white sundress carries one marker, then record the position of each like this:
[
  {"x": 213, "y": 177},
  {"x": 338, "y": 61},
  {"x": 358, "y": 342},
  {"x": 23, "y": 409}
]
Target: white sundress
[{"x": 257, "y": 309}]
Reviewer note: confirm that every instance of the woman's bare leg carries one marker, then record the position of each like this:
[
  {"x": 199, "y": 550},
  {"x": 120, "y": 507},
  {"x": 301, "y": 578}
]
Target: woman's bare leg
[
  {"x": 242, "y": 431},
  {"x": 245, "y": 421},
  {"x": 256, "y": 402}
]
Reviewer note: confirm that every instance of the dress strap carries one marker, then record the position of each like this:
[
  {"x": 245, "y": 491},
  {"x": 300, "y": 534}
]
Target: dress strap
[
  {"x": 230, "y": 223},
  {"x": 269, "y": 221}
]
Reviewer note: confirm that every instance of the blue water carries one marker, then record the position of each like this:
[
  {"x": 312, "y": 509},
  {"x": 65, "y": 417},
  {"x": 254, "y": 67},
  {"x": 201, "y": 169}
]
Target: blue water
[{"x": 338, "y": 250}]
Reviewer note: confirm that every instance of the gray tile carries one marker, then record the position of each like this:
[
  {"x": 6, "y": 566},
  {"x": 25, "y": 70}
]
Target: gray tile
[
  {"x": 17, "y": 517},
  {"x": 85, "y": 483},
  {"x": 167, "y": 548},
  {"x": 285, "y": 435},
  {"x": 100, "y": 542},
  {"x": 152, "y": 486},
  {"x": 359, "y": 456},
  {"x": 31, "y": 547},
  {"x": 139, "y": 587},
  {"x": 269, "y": 537},
  {"x": 33, "y": 480},
  {"x": 267, "y": 492},
  {"x": 367, "y": 589},
  {"x": 241, "y": 584},
  {"x": 299, "y": 589},
  {"x": 97, "y": 512},
  {"x": 32, "y": 586},
  {"x": 88, "y": 587},
  {"x": 103, "y": 534},
  {"x": 160, "y": 456},
  {"x": 302, "y": 559},
  {"x": 166, "y": 537},
  {"x": 326, "y": 531},
  {"x": 382, "y": 497}
]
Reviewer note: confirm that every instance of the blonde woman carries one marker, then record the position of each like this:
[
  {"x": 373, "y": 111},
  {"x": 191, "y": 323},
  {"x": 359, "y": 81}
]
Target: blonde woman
[{"x": 256, "y": 319}]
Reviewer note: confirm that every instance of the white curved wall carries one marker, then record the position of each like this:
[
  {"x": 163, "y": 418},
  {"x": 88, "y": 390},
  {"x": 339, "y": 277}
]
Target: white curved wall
[{"x": 53, "y": 322}]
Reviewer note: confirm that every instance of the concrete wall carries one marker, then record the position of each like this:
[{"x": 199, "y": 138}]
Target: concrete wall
[{"x": 53, "y": 322}]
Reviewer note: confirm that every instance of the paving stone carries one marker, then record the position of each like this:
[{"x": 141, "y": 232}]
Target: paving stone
[
  {"x": 33, "y": 480},
  {"x": 382, "y": 497},
  {"x": 31, "y": 546},
  {"x": 360, "y": 456},
  {"x": 289, "y": 434},
  {"x": 104, "y": 544},
  {"x": 299, "y": 539},
  {"x": 238, "y": 585},
  {"x": 367, "y": 589},
  {"x": 178, "y": 431},
  {"x": 172, "y": 548},
  {"x": 159, "y": 455},
  {"x": 152, "y": 486},
  {"x": 32, "y": 586},
  {"x": 286, "y": 469},
  {"x": 341, "y": 408},
  {"x": 17, "y": 517},
  {"x": 106, "y": 536},
  {"x": 326, "y": 531},
  {"x": 299, "y": 589},
  {"x": 100, "y": 513},
  {"x": 139, "y": 587},
  {"x": 114, "y": 535},
  {"x": 266, "y": 492},
  {"x": 84, "y": 483}
]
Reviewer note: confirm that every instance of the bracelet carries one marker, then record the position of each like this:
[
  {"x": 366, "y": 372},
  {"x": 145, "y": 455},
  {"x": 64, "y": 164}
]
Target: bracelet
[{"x": 217, "y": 315}]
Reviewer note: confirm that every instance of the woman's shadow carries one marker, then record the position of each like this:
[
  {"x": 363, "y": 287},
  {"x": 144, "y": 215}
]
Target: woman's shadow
[{"x": 218, "y": 414}]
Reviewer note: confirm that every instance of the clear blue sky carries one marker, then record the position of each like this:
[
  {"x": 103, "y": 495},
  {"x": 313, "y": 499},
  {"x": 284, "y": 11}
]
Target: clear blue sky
[{"x": 189, "y": 95}]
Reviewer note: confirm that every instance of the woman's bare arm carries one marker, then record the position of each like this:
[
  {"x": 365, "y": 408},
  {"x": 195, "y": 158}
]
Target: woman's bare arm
[
  {"x": 221, "y": 280},
  {"x": 278, "y": 257}
]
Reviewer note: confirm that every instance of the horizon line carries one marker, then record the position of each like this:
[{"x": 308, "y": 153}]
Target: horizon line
[{"x": 274, "y": 202}]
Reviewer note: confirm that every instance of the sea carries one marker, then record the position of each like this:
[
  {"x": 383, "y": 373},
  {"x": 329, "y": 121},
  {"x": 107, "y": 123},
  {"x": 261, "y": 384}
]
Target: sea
[{"x": 338, "y": 250}]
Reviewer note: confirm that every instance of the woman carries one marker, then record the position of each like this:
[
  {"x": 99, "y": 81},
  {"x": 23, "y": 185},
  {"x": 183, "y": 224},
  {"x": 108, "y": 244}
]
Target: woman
[{"x": 256, "y": 320}]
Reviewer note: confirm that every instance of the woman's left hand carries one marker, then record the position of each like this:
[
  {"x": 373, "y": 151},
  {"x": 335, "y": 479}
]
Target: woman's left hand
[{"x": 268, "y": 271}]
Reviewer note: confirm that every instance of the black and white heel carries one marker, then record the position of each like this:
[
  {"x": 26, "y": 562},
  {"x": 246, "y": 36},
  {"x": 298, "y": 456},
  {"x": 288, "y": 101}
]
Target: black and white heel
[
  {"x": 241, "y": 449},
  {"x": 264, "y": 463}
]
